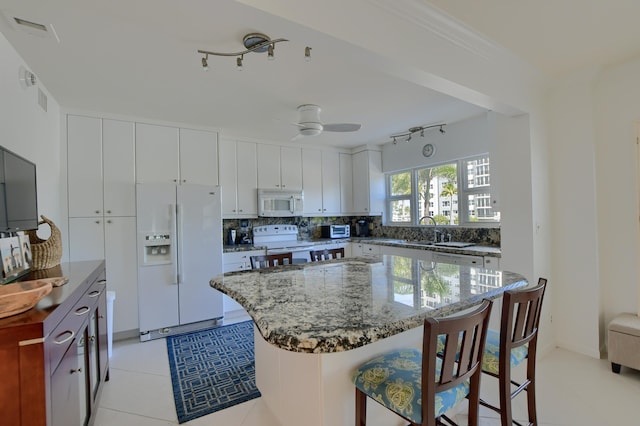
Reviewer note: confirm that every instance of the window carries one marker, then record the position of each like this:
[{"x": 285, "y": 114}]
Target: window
[{"x": 433, "y": 191}]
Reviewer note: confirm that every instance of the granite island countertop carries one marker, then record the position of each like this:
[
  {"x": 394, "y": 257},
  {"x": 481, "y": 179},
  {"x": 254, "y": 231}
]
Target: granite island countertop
[{"x": 338, "y": 305}]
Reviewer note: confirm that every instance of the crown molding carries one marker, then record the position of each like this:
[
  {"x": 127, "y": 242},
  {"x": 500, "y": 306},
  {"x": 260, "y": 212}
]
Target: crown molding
[{"x": 446, "y": 27}]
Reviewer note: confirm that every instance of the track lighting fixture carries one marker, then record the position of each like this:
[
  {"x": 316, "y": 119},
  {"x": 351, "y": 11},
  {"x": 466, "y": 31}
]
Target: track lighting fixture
[
  {"x": 253, "y": 42},
  {"x": 409, "y": 133}
]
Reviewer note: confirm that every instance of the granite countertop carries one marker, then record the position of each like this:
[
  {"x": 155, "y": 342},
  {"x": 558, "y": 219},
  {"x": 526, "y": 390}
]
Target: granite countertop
[
  {"x": 475, "y": 250},
  {"x": 338, "y": 305}
]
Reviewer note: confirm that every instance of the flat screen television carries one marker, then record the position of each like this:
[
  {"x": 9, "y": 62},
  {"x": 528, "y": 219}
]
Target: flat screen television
[{"x": 18, "y": 193}]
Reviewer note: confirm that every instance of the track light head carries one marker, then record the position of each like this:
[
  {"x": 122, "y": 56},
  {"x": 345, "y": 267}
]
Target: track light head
[
  {"x": 442, "y": 130},
  {"x": 205, "y": 64},
  {"x": 239, "y": 62},
  {"x": 307, "y": 54},
  {"x": 270, "y": 52}
]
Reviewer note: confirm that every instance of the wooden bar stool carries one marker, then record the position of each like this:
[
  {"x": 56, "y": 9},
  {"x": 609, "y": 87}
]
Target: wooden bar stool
[
  {"x": 326, "y": 254},
  {"x": 420, "y": 386},
  {"x": 515, "y": 343},
  {"x": 271, "y": 260}
]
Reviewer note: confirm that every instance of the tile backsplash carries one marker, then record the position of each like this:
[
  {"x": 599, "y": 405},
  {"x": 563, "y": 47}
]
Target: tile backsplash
[{"x": 309, "y": 228}]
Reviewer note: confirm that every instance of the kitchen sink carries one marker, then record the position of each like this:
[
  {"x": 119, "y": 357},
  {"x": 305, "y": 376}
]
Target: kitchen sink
[{"x": 455, "y": 244}]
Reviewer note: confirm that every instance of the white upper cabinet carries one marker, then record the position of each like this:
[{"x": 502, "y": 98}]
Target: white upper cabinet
[
  {"x": 368, "y": 183},
  {"x": 321, "y": 182},
  {"x": 346, "y": 183},
  {"x": 157, "y": 154},
  {"x": 330, "y": 183},
  {"x": 238, "y": 178},
  {"x": 101, "y": 174},
  {"x": 118, "y": 154},
  {"x": 279, "y": 167},
  {"x": 198, "y": 157},
  {"x": 84, "y": 156},
  {"x": 170, "y": 155},
  {"x": 291, "y": 167}
]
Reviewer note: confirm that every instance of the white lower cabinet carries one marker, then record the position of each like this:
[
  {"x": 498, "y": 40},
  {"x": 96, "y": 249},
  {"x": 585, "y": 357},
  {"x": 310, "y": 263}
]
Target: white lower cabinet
[
  {"x": 459, "y": 259},
  {"x": 112, "y": 239},
  {"x": 364, "y": 249},
  {"x": 491, "y": 262},
  {"x": 407, "y": 252},
  {"x": 232, "y": 262}
]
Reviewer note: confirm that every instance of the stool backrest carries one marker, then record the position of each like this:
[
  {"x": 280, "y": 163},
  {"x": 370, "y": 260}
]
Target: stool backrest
[
  {"x": 521, "y": 311},
  {"x": 271, "y": 260},
  {"x": 326, "y": 254}
]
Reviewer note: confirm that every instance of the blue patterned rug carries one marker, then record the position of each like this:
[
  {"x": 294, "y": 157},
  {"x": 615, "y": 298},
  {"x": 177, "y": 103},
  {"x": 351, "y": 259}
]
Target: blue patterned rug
[{"x": 212, "y": 369}]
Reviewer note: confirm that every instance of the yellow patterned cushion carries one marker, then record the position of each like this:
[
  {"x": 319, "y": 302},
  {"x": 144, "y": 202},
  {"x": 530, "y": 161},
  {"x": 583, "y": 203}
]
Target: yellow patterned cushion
[{"x": 394, "y": 380}]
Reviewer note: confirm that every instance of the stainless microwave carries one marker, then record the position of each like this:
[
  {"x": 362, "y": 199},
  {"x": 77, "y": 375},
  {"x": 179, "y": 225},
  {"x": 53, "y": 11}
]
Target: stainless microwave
[
  {"x": 335, "y": 231},
  {"x": 273, "y": 203}
]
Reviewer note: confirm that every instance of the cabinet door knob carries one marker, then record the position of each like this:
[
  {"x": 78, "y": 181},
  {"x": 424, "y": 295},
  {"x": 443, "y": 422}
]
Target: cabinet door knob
[
  {"x": 97, "y": 211},
  {"x": 109, "y": 221},
  {"x": 77, "y": 370},
  {"x": 109, "y": 211},
  {"x": 319, "y": 210},
  {"x": 175, "y": 180},
  {"x": 97, "y": 221},
  {"x": 184, "y": 180}
]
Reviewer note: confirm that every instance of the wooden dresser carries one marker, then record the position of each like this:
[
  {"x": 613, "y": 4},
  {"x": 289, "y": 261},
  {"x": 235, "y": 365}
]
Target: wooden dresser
[{"x": 54, "y": 357}]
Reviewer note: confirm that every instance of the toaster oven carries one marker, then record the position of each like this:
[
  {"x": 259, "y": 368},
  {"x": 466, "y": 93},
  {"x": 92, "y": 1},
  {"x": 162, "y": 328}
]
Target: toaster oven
[{"x": 335, "y": 231}]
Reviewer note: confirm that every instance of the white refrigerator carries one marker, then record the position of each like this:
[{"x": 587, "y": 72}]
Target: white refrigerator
[{"x": 179, "y": 246}]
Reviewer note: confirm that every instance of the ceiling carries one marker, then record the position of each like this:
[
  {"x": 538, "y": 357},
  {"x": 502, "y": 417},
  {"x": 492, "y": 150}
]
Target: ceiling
[{"x": 138, "y": 59}]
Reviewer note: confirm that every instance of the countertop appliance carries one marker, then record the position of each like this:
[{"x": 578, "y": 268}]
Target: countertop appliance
[
  {"x": 273, "y": 203},
  {"x": 179, "y": 245},
  {"x": 282, "y": 239},
  {"x": 335, "y": 231},
  {"x": 362, "y": 228}
]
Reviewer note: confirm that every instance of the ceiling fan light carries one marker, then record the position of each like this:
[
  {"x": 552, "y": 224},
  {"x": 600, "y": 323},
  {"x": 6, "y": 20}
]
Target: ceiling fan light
[
  {"x": 239, "y": 63},
  {"x": 307, "y": 54}
]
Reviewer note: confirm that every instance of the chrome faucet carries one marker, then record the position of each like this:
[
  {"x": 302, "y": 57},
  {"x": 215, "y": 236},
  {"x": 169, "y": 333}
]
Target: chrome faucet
[{"x": 435, "y": 227}]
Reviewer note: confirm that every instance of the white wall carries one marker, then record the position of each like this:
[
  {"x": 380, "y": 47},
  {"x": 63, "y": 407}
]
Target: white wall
[
  {"x": 617, "y": 110},
  {"x": 462, "y": 139},
  {"x": 29, "y": 131}
]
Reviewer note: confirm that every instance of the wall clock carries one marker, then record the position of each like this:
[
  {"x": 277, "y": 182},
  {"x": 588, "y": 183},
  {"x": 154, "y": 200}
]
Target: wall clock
[{"x": 428, "y": 150}]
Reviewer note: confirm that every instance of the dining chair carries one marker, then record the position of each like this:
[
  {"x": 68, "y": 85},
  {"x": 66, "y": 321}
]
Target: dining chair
[
  {"x": 326, "y": 254},
  {"x": 515, "y": 343},
  {"x": 420, "y": 386},
  {"x": 271, "y": 260}
]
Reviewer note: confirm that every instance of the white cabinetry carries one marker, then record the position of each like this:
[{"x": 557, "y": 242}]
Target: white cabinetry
[
  {"x": 238, "y": 178},
  {"x": 101, "y": 176},
  {"x": 368, "y": 183},
  {"x": 459, "y": 259},
  {"x": 321, "y": 182},
  {"x": 407, "y": 252},
  {"x": 279, "y": 167},
  {"x": 346, "y": 183},
  {"x": 364, "y": 249},
  {"x": 236, "y": 261},
  {"x": 491, "y": 262},
  {"x": 101, "y": 182},
  {"x": 172, "y": 155}
]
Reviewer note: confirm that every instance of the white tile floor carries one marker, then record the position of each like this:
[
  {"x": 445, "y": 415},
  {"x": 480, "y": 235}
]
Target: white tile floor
[{"x": 572, "y": 390}]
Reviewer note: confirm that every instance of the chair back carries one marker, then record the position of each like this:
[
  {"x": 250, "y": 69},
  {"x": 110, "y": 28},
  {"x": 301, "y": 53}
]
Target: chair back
[
  {"x": 271, "y": 260},
  {"x": 521, "y": 311},
  {"x": 326, "y": 254},
  {"x": 461, "y": 358}
]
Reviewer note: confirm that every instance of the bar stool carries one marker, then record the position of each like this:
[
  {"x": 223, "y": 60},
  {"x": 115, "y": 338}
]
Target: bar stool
[
  {"x": 421, "y": 386},
  {"x": 326, "y": 254},
  {"x": 516, "y": 342}
]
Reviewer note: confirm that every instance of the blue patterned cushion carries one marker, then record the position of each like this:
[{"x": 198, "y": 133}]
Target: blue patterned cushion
[
  {"x": 490, "y": 359},
  {"x": 394, "y": 380}
]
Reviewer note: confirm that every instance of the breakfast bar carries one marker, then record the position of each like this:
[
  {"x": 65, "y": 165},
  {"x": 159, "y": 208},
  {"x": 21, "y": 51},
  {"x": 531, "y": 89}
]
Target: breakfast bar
[{"x": 315, "y": 322}]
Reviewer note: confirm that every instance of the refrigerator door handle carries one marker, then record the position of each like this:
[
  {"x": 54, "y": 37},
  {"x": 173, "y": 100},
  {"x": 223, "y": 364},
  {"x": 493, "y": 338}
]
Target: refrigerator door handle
[
  {"x": 174, "y": 237},
  {"x": 179, "y": 220}
]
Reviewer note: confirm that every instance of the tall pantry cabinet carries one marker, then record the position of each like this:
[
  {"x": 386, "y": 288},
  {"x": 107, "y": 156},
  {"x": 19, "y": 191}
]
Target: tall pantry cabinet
[{"x": 101, "y": 182}]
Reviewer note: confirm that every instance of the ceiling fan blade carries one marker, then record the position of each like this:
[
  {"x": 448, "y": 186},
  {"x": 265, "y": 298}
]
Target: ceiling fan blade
[
  {"x": 297, "y": 137},
  {"x": 342, "y": 127}
]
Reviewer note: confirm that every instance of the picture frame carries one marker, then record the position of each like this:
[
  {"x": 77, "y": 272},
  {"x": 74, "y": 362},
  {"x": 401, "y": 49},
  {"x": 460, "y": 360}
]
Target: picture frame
[
  {"x": 25, "y": 247},
  {"x": 13, "y": 264}
]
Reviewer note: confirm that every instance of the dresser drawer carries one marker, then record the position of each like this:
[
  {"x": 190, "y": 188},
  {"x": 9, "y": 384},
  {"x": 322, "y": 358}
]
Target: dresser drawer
[{"x": 66, "y": 333}]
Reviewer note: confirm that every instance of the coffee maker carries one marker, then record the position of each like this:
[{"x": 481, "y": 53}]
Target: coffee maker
[
  {"x": 362, "y": 228},
  {"x": 244, "y": 232}
]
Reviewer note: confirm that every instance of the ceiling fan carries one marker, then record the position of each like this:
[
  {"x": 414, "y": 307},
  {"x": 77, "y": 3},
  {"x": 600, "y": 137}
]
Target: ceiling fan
[{"x": 310, "y": 125}]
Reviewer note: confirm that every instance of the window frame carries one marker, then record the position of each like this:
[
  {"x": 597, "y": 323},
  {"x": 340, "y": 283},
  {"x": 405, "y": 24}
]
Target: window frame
[{"x": 461, "y": 200}]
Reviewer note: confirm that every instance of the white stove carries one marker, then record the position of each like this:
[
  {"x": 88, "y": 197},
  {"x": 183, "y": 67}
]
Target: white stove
[{"x": 282, "y": 239}]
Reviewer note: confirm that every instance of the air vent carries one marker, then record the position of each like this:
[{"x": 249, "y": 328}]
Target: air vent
[
  {"x": 30, "y": 25},
  {"x": 42, "y": 99}
]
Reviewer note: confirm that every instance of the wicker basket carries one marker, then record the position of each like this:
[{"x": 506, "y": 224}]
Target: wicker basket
[{"x": 46, "y": 253}]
